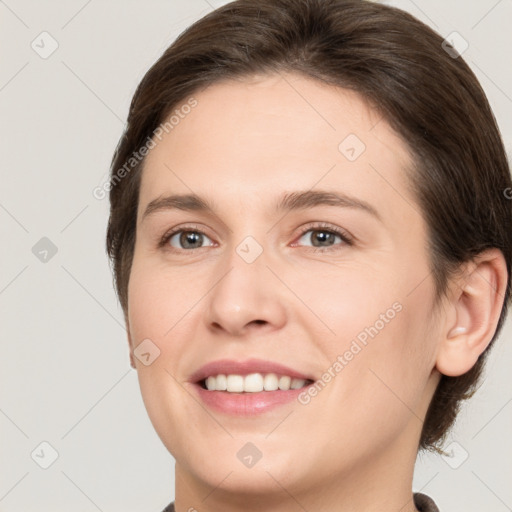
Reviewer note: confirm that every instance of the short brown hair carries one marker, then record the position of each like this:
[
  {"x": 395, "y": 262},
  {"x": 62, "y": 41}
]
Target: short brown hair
[{"x": 431, "y": 98}]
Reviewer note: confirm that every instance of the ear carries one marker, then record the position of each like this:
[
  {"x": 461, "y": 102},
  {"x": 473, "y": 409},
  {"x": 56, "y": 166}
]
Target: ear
[{"x": 474, "y": 310}]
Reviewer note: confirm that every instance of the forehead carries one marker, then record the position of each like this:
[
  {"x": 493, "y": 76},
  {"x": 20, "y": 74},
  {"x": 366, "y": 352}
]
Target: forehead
[{"x": 246, "y": 139}]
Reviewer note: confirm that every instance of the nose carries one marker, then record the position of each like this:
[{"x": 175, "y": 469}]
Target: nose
[{"x": 247, "y": 297}]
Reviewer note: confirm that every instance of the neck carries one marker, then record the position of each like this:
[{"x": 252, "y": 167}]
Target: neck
[{"x": 382, "y": 482}]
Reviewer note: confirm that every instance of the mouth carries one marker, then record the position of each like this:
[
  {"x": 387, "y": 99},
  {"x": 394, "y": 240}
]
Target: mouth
[
  {"x": 252, "y": 383},
  {"x": 248, "y": 388}
]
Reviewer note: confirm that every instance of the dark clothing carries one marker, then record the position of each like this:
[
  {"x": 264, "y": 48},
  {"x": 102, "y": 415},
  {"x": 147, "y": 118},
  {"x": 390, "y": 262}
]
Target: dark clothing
[{"x": 422, "y": 502}]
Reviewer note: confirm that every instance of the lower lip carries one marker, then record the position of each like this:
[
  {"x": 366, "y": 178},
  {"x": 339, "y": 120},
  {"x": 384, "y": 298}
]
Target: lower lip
[{"x": 246, "y": 404}]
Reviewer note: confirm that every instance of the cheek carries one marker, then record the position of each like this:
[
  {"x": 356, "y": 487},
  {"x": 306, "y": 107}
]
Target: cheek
[
  {"x": 388, "y": 375},
  {"x": 160, "y": 299},
  {"x": 158, "y": 306},
  {"x": 343, "y": 295},
  {"x": 384, "y": 348}
]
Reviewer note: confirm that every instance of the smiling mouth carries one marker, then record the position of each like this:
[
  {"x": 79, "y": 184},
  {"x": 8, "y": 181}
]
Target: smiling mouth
[{"x": 252, "y": 383}]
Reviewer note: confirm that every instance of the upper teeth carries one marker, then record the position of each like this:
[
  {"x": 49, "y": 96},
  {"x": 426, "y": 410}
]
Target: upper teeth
[{"x": 252, "y": 383}]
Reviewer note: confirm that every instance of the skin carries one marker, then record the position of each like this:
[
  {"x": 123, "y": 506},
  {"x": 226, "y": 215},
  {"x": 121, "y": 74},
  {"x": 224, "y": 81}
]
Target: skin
[{"x": 245, "y": 144}]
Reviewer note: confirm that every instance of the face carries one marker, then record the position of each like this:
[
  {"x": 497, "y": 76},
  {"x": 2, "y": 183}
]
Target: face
[{"x": 333, "y": 284}]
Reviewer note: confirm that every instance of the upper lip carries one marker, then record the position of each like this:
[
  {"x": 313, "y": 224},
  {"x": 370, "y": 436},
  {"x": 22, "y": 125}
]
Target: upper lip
[{"x": 231, "y": 367}]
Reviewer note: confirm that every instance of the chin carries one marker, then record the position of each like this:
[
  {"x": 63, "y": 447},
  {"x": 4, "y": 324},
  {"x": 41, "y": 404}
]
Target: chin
[
  {"x": 236, "y": 479},
  {"x": 241, "y": 466}
]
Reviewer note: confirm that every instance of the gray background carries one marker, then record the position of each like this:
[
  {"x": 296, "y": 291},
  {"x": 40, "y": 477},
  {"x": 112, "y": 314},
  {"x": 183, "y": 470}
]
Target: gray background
[{"x": 65, "y": 377}]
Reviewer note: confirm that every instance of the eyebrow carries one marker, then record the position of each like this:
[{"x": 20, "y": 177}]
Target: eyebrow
[{"x": 298, "y": 200}]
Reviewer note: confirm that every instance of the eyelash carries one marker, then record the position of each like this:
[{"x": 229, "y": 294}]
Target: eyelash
[{"x": 320, "y": 226}]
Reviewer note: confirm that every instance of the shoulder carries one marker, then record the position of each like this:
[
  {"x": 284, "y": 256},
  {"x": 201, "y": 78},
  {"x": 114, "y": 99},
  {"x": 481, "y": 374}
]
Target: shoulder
[
  {"x": 422, "y": 502},
  {"x": 169, "y": 508}
]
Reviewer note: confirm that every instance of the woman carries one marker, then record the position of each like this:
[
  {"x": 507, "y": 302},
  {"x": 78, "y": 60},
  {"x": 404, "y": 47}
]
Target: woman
[{"x": 312, "y": 248}]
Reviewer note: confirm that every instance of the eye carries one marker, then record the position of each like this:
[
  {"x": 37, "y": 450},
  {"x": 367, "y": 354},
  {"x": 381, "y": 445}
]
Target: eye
[
  {"x": 184, "y": 239},
  {"x": 324, "y": 237}
]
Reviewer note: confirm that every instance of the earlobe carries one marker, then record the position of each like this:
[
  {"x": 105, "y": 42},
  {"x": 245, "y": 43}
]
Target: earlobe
[
  {"x": 477, "y": 307},
  {"x": 457, "y": 330}
]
